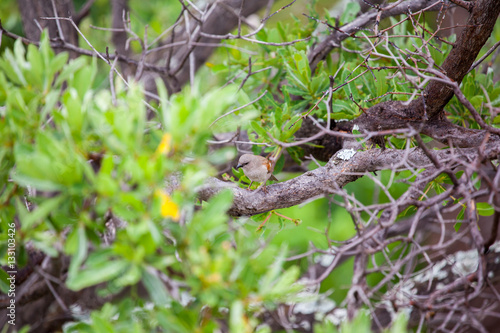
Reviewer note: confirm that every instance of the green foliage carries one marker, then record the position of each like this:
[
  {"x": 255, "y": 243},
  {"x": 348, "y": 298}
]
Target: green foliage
[
  {"x": 84, "y": 152},
  {"x": 479, "y": 89},
  {"x": 77, "y": 152}
]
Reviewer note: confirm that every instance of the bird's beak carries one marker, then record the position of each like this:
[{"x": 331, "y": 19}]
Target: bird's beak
[{"x": 239, "y": 166}]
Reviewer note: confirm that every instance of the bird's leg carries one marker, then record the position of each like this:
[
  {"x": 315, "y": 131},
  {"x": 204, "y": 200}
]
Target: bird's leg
[{"x": 251, "y": 182}]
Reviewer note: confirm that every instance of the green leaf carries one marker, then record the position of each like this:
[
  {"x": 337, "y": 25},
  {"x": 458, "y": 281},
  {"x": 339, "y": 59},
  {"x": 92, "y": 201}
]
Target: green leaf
[
  {"x": 351, "y": 9},
  {"x": 273, "y": 274},
  {"x": 302, "y": 66},
  {"x": 101, "y": 324},
  {"x": 296, "y": 153},
  {"x": 282, "y": 30},
  {"x": 460, "y": 217},
  {"x": 40, "y": 184},
  {"x": 156, "y": 288},
  {"x": 74, "y": 114},
  {"x": 278, "y": 117},
  {"x": 237, "y": 318},
  {"x": 41, "y": 212},
  {"x": 130, "y": 277},
  {"x": 484, "y": 209},
  {"x": 84, "y": 77},
  {"x": 55, "y": 65},
  {"x": 319, "y": 84},
  {"x": 360, "y": 324},
  {"x": 381, "y": 82},
  {"x": 4, "y": 283},
  {"x": 292, "y": 126},
  {"x": 296, "y": 77},
  {"x": 342, "y": 109},
  {"x": 95, "y": 274},
  {"x": 400, "y": 324},
  {"x": 76, "y": 245},
  {"x": 297, "y": 91},
  {"x": 35, "y": 59},
  {"x": 259, "y": 129},
  {"x": 279, "y": 164},
  {"x": 238, "y": 172},
  {"x": 69, "y": 70},
  {"x": 286, "y": 284},
  {"x": 477, "y": 101},
  {"x": 51, "y": 99},
  {"x": 46, "y": 51},
  {"x": 12, "y": 68}
]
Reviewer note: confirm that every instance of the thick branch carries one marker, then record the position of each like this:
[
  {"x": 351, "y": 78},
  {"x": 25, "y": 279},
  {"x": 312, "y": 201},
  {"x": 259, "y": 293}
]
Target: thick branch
[
  {"x": 477, "y": 30},
  {"x": 334, "y": 175},
  {"x": 119, "y": 10},
  {"x": 32, "y": 11},
  {"x": 426, "y": 115},
  {"x": 395, "y": 115},
  {"x": 223, "y": 17}
]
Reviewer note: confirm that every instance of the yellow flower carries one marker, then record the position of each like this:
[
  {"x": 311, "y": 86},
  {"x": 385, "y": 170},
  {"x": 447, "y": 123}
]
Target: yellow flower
[
  {"x": 168, "y": 208},
  {"x": 165, "y": 144}
]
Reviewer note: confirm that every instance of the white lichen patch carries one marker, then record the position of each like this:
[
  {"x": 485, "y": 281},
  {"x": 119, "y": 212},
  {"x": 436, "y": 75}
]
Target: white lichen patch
[
  {"x": 462, "y": 263},
  {"x": 466, "y": 262},
  {"x": 324, "y": 260},
  {"x": 402, "y": 293},
  {"x": 436, "y": 272},
  {"x": 325, "y": 305},
  {"x": 408, "y": 289},
  {"x": 495, "y": 247},
  {"x": 186, "y": 298},
  {"x": 346, "y": 154},
  {"x": 440, "y": 286},
  {"x": 304, "y": 308},
  {"x": 305, "y": 325},
  {"x": 337, "y": 316},
  {"x": 318, "y": 307}
]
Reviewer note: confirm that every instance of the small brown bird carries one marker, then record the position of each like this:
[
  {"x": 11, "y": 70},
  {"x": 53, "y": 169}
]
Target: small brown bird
[{"x": 256, "y": 168}]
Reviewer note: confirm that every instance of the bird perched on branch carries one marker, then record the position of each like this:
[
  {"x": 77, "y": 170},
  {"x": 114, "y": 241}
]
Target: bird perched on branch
[{"x": 256, "y": 168}]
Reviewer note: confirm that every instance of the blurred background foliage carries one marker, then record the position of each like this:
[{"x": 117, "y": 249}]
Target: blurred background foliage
[{"x": 49, "y": 133}]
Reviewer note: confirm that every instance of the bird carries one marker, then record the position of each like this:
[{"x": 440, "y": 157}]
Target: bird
[{"x": 256, "y": 168}]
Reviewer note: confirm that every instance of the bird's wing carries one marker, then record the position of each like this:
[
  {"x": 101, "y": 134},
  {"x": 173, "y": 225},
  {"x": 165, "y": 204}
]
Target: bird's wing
[{"x": 268, "y": 166}]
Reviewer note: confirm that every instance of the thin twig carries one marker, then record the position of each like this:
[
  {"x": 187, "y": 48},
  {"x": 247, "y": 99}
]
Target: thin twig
[{"x": 239, "y": 108}]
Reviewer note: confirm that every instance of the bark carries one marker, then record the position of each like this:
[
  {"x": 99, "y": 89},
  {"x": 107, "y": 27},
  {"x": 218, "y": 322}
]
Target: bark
[
  {"x": 119, "y": 9},
  {"x": 337, "y": 173},
  {"x": 32, "y": 12},
  {"x": 478, "y": 29},
  {"x": 427, "y": 115},
  {"x": 221, "y": 18},
  {"x": 342, "y": 168}
]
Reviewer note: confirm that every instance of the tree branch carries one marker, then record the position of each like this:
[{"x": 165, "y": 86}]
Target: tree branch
[
  {"x": 338, "y": 172},
  {"x": 477, "y": 30},
  {"x": 321, "y": 51}
]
